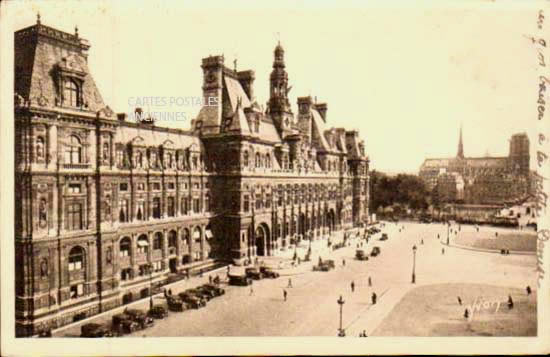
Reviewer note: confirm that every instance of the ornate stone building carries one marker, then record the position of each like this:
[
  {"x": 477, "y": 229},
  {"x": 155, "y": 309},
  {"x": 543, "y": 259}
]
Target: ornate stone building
[
  {"x": 481, "y": 180},
  {"x": 104, "y": 204}
]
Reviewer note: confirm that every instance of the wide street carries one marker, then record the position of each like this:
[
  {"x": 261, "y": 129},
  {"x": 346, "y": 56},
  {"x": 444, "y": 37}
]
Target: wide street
[{"x": 311, "y": 308}]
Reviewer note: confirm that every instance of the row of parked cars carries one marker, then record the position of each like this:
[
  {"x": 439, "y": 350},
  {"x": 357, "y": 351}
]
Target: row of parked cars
[
  {"x": 250, "y": 274},
  {"x": 132, "y": 320},
  {"x": 194, "y": 298}
]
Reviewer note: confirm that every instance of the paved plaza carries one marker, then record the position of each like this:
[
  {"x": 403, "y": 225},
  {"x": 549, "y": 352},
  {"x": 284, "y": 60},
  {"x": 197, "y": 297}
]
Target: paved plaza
[{"x": 311, "y": 308}]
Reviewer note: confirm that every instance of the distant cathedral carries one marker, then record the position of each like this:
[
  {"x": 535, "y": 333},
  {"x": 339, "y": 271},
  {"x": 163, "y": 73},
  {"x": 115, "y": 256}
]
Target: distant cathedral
[{"x": 481, "y": 180}]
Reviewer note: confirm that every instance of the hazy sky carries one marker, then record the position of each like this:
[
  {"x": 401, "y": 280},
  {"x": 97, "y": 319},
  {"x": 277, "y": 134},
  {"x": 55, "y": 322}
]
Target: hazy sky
[{"x": 406, "y": 77}]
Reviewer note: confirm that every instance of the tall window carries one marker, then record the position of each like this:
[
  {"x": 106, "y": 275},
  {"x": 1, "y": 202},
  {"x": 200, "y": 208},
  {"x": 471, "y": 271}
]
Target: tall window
[
  {"x": 76, "y": 259},
  {"x": 74, "y": 216},
  {"x": 170, "y": 207},
  {"x": 196, "y": 205},
  {"x": 246, "y": 203},
  {"x": 124, "y": 209},
  {"x": 140, "y": 212},
  {"x": 245, "y": 158},
  {"x": 73, "y": 151},
  {"x": 258, "y": 160},
  {"x": 185, "y": 205},
  {"x": 157, "y": 241},
  {"x": 172, "y": 237},
  {"x": 267, "y": 161},
  {"x": 207, "y": 203},
  {"x": 71, "y": 94},
  {"x": 40, "y": 147},
  {"x": 142, "y": 244},
  {"x": 156, "y": 207}
]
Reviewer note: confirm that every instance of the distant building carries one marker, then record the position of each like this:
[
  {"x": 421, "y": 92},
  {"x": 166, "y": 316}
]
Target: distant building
[{"x": 481, "y": 180}]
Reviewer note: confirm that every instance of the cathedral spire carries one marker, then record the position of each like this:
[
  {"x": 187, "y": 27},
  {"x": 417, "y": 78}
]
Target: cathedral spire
[{"x": 460, "y": 153}]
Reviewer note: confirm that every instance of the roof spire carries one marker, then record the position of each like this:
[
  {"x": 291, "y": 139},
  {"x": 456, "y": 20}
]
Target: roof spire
[
  {"x": 460, "y": 153},
  {"x": 38, "y": 18},
  {"x": 76, "y": 31}
]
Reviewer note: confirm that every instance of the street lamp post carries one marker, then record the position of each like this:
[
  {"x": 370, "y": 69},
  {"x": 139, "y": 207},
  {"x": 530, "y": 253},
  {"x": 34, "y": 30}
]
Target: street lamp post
[
  {"x": 414, "y": 265},
  {"x": 341, "y": 302},
  {"x": 150, "y": 268}
]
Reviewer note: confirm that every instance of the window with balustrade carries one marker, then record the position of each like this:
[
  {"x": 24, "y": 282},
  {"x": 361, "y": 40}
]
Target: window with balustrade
[
  {"x": 73, "y": 150},
  {"x": 74, "y": 216}
]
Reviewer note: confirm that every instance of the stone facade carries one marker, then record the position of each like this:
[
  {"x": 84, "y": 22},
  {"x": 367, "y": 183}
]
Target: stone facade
[{"x": 105, "y": 205}]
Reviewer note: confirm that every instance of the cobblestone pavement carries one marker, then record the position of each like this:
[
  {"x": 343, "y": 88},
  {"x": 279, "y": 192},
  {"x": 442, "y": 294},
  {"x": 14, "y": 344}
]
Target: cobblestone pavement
[{"x": 311, "y": 308}]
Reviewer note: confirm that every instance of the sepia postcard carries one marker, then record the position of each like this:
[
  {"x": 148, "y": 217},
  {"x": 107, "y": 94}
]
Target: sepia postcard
[{"x": 274, "y": 177}]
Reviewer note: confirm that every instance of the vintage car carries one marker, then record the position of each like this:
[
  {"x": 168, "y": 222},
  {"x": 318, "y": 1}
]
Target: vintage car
[
  {"x": 375, "y": 251},
  {"x": 384, "y": 236},
  {"x": 360, "y": 254},
  {"x": 176, "y": 304},
  {"x": 209, "y": 293},
  {"x": 253, "y": 273},
  {"x": 140, "y": 317},
  {"x": 269, "y": 273},
  {"x": 192, "y": 301},
  {"x": 158, "y": 312},
  {"x": 324, "y": 265},
  {"x": 216, "y": 289},
  {"x": 239, "y": 280},
  {"x": 203, "y": 295},
  {"x": 95, "y": 330},
  {"x": 124, "y": 323}
]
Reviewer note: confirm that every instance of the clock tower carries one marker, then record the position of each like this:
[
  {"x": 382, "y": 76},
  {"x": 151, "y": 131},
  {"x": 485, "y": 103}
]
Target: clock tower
[{"x": 279, "y": 106}]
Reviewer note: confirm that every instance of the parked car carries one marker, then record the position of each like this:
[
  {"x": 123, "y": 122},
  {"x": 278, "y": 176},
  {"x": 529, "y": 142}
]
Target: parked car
[
  {"x": 239, "y": 280},
  {"x": 325, "y": 265},
  {"x": 384, "y": 236},
  {"x": 375, "y": 251},
  {"x": 140, "y": 317},
  {"x": 124, "y": 323},
  {"x": 203, "y": 295},
  {"x": 176, "y": 304},
  {"x": 192, "y": 301},
  {"x": 209, "y": 293},
  {"x": 253, "y": 273},
  {"x": 95, "y": 330},
  {"x": 216, "y": 289},
  {"x": 269, "y": 273},
  {"x": 158, "y": 312},
  {"x": 360, "y": 254}
]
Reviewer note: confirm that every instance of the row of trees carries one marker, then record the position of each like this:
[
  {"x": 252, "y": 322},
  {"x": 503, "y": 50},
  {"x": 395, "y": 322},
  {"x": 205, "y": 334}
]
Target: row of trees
[{"x": 403, "y": 190}]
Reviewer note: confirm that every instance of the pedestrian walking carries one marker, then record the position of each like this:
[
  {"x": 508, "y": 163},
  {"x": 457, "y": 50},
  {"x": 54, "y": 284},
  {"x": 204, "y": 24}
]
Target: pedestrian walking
[
  {"x": 170, "y": 292},
  {"x": 443, "y": 251},
  {"x": 466, "y": 313},
  {"x": 284, "y": 294},
  {"x": 289, "y": 283},
  {"x": 438, "y": 236},
  {"x": 422, "y": 241},
  {"x": 370, "y": 281},
  {"x": 343, "y": 262},
  {"x": 459, "y": 300},
  {"x": 251, "y": 290},
  {"x": 373, "y": 298},
  {"x": 352, "y": 286},
  {"x": 528, "y": 290},
  {"x": 510, "y": 302}
]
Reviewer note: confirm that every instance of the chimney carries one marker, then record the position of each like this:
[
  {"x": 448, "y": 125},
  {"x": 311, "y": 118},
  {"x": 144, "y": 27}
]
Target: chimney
[
  {"x": 322, "y": 109},
  {"x": 246, "y": 79}
]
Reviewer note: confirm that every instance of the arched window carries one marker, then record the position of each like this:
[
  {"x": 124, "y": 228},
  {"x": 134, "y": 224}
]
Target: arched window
[
  {"x": 258, "y": 159},
  {"x": 106, "y": 152},
  {"x": 40, "y": 147},
  {"x": 207, "y": 202},
  {"x": 71, "y": 93},
  {"x": 172, "y": 237},
  {"x": 125, "y": 247},
  {"x": 157, "y": 241},
  {"x": 76, "y": 259},
  {"x": 73, "y": 150},
  {"x": 267, "y": 161},
  {"x": 185, "y": 236},
  {"x": 245, "y": 158},
  {"x": 142, "y": 244}
]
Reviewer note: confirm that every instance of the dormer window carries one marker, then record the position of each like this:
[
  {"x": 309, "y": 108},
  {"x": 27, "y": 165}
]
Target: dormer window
[{"x": 72, "y": 94}]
